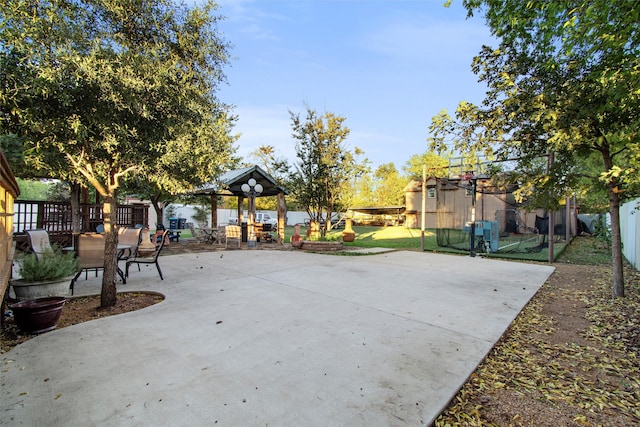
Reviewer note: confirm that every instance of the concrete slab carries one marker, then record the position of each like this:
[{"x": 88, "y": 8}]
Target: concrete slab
[
  {"x": 274, "y": 338},
  {"x": 360, "y": 251}
]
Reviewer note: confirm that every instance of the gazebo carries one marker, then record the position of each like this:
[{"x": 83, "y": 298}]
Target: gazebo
[{"x": 231, "y": 183}]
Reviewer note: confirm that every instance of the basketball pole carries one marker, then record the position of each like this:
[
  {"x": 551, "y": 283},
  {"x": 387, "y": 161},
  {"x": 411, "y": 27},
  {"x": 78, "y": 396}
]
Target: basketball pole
[
  {"x": 424, "y": 206},
  {"x": 472, "y": 234}
]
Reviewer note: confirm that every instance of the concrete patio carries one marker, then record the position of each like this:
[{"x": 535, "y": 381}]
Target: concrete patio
[{"x": 278, "y": 338}]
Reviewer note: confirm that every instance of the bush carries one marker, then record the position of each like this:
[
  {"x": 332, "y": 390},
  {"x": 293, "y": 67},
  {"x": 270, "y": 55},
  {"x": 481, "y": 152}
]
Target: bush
[{"x": 53, "y": 265}]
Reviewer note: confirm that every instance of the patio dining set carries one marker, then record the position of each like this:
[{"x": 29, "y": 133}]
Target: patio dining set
[
  {"x": 223, "y": 234},
  {"x": 90, "y": 250}
]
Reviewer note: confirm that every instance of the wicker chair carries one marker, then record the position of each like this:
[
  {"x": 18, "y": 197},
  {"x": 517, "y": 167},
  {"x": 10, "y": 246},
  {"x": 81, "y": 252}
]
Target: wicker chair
[{"x": 232, "y": 232}]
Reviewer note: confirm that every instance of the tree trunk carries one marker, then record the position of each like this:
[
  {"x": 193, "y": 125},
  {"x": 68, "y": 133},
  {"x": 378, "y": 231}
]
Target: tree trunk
[
  {"x": 155, "y": 201},
  {"x": 108, "y": 295},
  {"x": 617, "y": 290},
  {"x": 76, "y": 219},
  {"x": 214, "y": 211},
  {"x": 616, "y": 244}
]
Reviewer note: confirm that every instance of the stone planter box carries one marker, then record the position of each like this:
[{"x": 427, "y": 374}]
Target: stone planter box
[{"x": 309, "y": 245}]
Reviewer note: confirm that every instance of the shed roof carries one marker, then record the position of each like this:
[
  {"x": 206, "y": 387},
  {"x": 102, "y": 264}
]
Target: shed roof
[{"x": 380, "y": 210}]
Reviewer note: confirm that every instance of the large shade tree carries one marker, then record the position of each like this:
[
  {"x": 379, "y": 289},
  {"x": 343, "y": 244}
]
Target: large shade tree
[
  {"x": 563, "y": 99},
  {"x": 112, "y": 87},
  {"x": 190, "y": 162}
]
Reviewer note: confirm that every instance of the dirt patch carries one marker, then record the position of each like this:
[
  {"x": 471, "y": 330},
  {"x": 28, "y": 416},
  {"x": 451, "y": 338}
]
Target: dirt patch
[
  {"x": 570, "y": 358},
  {"x": 80, "y": 309}
]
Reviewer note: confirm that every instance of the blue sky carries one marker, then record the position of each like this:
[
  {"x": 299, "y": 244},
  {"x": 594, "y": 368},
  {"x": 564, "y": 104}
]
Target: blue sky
[{"x": 387, "y": 66}]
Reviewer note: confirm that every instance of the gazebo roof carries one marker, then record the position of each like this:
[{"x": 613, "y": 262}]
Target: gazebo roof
[{"x": 229, "y": 183}]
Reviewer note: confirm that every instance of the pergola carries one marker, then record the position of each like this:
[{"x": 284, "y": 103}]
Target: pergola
[{"x": 230, "y": 184}]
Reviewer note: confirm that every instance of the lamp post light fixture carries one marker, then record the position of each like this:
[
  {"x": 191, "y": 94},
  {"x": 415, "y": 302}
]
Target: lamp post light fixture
[{"x": 252, "y": 189}]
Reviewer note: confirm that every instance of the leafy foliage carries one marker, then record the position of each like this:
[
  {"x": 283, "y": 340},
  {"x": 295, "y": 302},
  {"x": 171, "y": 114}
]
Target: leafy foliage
[
  {"x": 100, "y": 91},
  {"x": 53, "y": 265},
  {"x": 32, "y": 189},
  {"x": 325, "y": 168},
  {"x": 564, "y": 85},
  {"x": 436, "y": 165}
]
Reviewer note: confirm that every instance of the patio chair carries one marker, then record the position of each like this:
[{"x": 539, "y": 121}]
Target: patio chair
[
  {"x": 265, "y": 234},
  {"x": 153, "y": 259},
  {"x": 232, "y": 232},
  {"x": 38, "y": 241},
  {"x": 90, "y": 255},
  {"x": 160, "y": 231},
  {"x": 128, "y": 236}
]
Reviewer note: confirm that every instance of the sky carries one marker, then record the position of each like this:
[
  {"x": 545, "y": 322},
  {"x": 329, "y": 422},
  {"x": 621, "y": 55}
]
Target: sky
[{"x": 387, "y": 66}]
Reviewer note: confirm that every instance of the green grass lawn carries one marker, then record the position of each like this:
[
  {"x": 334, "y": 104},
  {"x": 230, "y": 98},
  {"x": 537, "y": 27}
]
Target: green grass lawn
[
  {"x": 586, "y": 251},
  {"x": 410, "y": 239},
  {"x": 583, "y": 250}
]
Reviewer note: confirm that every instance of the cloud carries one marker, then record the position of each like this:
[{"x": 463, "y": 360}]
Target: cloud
[
  {"x": 249, "y": 18},
  {"x": 264, "y": 125},
  {"x": 425, "y": 38}
]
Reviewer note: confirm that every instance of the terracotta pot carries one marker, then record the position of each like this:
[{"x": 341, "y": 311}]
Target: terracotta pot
[{"x": 38, "y": 315}]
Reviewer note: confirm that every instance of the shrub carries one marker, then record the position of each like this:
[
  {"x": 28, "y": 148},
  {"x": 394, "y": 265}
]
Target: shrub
[{"x": 53, "y": 265}]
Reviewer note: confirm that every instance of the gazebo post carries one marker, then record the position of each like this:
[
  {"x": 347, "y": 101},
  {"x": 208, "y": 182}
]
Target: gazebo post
[
  {"x": 214, "y": 211},
  {"x": 282, "y": 216},
  {"x": 240, "y": 209}
]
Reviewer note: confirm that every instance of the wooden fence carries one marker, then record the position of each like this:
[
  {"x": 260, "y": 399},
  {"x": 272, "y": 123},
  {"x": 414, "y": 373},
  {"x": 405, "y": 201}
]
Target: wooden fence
[{"x": 56, "y": 218}]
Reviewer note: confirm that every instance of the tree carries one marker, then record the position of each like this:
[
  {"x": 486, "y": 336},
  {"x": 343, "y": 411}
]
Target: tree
[
  {"x": 564, "y": 85},
  {"x": 189, "y": 162},
  {"x": 325, "y": 168},
  {"x": 363, "y": 190},
  {"x": 276, "y": 166},
  {"x": 103, "y": 90},
  {"x": 436, "y": 165},
  {"x": 389, "y": 189}
]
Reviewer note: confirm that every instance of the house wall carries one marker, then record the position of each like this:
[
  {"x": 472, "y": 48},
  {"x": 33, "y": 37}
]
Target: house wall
[{"x": 8, "y": 192}]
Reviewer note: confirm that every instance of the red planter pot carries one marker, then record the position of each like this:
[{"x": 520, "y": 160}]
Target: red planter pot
[{"x": 38, "y": 315}]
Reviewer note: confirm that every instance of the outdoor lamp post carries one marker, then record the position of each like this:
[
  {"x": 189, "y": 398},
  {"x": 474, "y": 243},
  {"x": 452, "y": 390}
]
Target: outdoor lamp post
[{"x": 251, "y": 189}]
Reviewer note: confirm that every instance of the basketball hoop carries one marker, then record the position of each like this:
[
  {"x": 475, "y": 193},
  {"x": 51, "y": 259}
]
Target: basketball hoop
[{"x": 465, "y": 178}]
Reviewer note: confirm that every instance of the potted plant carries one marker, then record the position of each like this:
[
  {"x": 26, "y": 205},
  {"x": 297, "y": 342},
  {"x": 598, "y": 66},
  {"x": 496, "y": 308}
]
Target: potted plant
[
  {"x": 38, "y": 315},
  {"x": 49, "y": 276}
]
